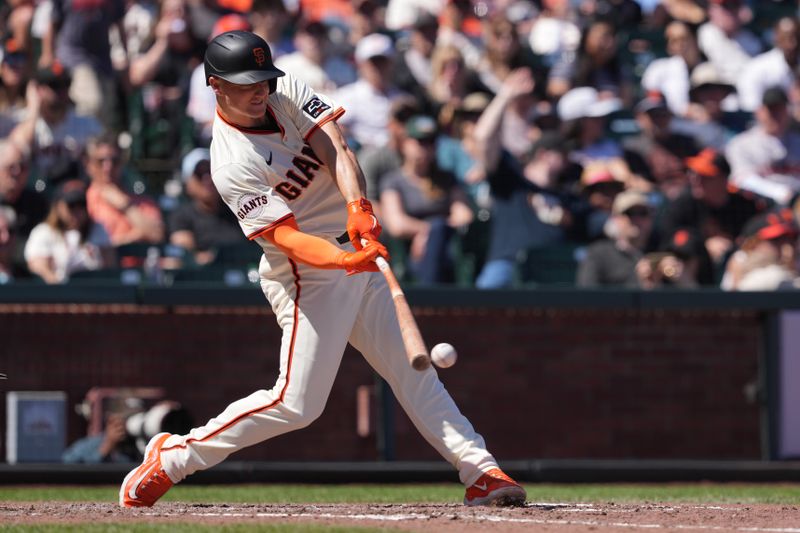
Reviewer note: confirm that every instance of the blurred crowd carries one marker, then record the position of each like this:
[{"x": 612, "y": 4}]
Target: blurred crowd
[{"x": 600, "y": 143}]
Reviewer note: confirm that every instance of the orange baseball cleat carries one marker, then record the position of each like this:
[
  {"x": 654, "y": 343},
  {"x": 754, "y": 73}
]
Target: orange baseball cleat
[
  {"x": 495, "y": 488},
  {"x": 146, "y": 483}
]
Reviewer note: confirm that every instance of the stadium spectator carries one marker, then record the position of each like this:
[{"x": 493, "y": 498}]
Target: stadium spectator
[
  {"x": 449, "y": 83},
  {"x": 774, "y": 68},
  {"x": 657, "y": 152},
  {"x": 457, "y": 149},
  {"x": 419, "y": 73},
  {"x": 203, "y": 223},
  {"x": 368, "y": 18},
  {"x": 16, "y": 17},
  {"x": 767, "y": 256},
  {"x": 165, "y": 60},
  {"x": 68, "y": 241},
  {"x": 528, "y": 210},
  {"x": 126, "y": 217},
  {"x": 600, "y": 183},
  {"x": 683, "y": 263},
  {"x": 725, "y": 40},
  {"x": 423, "y": 205},
  {"x": 692, "y": 12},
  {"x": 13, "y": 81},
  {"x": 706, "y": 119},
  {"x": 269, "y": 19},
  {"x": 626, "y": 14},
  {"x": 503, "y": 53},
  {"x": 137, "y": 25},
  {"x": 379, "y": 161},
  {"x": 314, "y": 60},
  {"x": 369, "y": 98},
  {"x": 30, "y": 207},
  {"x": 78, "y": 38},
  {"x": 113, "y": 445},
  {"x": 402, "y": 14},
  {"x": 458, "y": 27},
  {"x": 615, "y": 261},
  {"x": 129, "y": 425},
  {"x": 716, "y": 209},
  {"x": 670, "y": 75},
  {"x": 56, "y": 134},
  {"x": 596, "y": 64},
  {"x": 554, "y": 32},
  {"x": 584, "y": 113},
  {"x": 766, "y": 158},
  {"x": 162, "y": 74}
]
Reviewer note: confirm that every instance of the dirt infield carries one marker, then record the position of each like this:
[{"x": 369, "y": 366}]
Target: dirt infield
[{"x": 559, "y": 518}]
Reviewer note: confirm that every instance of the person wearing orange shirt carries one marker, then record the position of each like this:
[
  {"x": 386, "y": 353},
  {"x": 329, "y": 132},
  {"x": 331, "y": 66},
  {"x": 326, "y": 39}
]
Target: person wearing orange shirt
[{"x": 126, "y": 217}]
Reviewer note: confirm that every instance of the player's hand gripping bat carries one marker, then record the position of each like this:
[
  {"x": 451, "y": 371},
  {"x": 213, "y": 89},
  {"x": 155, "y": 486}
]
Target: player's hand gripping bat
[{"x": 417, "y": 354}]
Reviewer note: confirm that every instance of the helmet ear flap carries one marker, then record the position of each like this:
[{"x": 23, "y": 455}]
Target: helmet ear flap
[{"x": 273, "y": 85}]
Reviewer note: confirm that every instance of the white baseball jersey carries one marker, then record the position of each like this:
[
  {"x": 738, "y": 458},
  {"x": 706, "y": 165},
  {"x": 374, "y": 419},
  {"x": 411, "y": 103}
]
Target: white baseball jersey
[{"x": 266, "y": 176}]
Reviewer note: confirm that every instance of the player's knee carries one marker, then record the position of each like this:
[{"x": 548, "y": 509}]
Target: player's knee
[{"x": 304, "y": 417}]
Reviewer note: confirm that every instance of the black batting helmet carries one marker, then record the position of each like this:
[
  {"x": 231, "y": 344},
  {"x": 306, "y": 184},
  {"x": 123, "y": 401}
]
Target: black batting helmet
[{"x": 240, "y": 57}]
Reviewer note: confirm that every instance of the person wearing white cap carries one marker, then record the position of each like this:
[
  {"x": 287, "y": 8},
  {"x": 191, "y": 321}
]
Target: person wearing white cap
[
  {"x": 204, "y": 222},
  {"x": 584, "y": 113},
  {"x": 369, "y": 98}
]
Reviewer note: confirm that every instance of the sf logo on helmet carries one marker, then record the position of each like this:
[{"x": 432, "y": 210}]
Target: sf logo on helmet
[{"x": 260, "y": 56}]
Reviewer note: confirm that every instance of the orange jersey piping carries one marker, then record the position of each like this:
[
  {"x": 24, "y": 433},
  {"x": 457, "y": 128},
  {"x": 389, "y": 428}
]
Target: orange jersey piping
[
  {"x": 261, "y": 231},
  {"x": 333, "y": 116},
  {"x": 253, "y": 131}
]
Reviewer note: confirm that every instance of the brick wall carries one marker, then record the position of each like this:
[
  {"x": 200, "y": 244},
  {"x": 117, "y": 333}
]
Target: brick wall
[{"x": 537, "y": 383}]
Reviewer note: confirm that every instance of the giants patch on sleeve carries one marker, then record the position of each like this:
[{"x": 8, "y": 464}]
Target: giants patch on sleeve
[{"x": 315, "y": 107}]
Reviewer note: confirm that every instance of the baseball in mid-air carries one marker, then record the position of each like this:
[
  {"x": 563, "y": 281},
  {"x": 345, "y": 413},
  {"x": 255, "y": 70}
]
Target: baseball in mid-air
[{"x": 444, "y": 355}]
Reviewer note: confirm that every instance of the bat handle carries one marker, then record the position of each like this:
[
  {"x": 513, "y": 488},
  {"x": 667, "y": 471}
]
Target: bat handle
[
  {"x": 416, "y": 352},
  {"x": 386, "y": 270},
  {"x": 383, "y": 264}
]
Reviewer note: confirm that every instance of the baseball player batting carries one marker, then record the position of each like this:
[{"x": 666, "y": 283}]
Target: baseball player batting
[{"x": 280, "y": 162}]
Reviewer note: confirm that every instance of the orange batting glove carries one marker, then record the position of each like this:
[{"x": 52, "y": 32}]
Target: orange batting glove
[
  {"x": 362, "y": 222},
  {"x": 363, "y": 260}
]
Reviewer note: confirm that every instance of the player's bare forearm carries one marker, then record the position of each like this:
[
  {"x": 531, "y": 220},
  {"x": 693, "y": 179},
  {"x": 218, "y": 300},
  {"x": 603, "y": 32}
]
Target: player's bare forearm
[{"x": 331, "y": 147}]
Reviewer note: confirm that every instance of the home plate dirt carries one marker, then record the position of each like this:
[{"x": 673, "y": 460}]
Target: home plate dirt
[{"x": 559, "y": 518}]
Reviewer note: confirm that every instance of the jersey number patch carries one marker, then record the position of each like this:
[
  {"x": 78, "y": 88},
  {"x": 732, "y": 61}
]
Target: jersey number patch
[{"x": 315, "y": 107}]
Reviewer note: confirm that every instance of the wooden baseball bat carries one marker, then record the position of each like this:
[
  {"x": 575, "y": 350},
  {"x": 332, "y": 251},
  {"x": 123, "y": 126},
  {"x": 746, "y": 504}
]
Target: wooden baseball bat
[{"x": 417, "y": 353}]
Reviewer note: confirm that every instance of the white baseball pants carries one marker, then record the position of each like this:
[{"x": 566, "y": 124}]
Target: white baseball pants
[{"x": 320, "y": 311}]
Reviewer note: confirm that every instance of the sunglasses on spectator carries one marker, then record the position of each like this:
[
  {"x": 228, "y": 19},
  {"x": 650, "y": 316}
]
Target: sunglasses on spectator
[{"x": 114, "y": 160}]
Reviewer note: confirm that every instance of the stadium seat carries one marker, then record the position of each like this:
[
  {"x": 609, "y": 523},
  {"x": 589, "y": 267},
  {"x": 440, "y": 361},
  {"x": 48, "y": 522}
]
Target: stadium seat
[
  {"x": 242, "y": 254},
  {"x": 125, "y": 276},
  {"x": 555, "y": 265},
  {"x": 469, "y": 252},
  {"x": 230, "y": 276}
]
